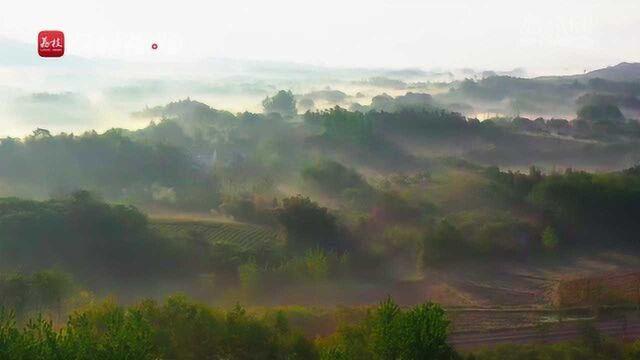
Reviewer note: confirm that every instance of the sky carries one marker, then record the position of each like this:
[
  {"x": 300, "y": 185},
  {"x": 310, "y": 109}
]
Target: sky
[{"x": 543, "y": 36}]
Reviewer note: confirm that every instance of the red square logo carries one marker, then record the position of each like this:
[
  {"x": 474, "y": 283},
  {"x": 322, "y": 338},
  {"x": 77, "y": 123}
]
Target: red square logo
[{"x": 51, "y": 43}]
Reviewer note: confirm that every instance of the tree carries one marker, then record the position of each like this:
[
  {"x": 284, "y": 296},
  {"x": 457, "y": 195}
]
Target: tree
[
  {"x": 385, "y": 327},
  {"x": 333, "y": 177},
  {"x": 41, "y": 133},
  {"x": 389, "y": 332},
  {"x": 550, "y": 239},
  {"x": 424, "y": 333},
  {"x": 282, "y": 103},
  {"x": 14, "y": 293},
  {"x": 308, "y": 225},
  {"x": 442, "y": 242},
  {"x": 52, "y": 287},
  {"x": 601, "y": 112}
]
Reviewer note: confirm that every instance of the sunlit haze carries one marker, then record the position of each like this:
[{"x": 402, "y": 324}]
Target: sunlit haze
[
  {"x": 558, "y": 36},
  {"x": 320, "y": 180}
]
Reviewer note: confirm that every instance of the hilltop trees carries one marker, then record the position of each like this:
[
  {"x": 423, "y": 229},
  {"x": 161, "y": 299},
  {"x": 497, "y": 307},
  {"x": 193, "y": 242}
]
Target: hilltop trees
[
  {"x": 343, "y": 126},
  {"x": 112, "y": 162},
  {"x": 282, "y": 103}
]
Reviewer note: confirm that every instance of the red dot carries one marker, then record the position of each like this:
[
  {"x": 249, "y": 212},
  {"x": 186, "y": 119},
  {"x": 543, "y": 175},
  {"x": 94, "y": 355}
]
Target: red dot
[{"x": 154, "y": 46}]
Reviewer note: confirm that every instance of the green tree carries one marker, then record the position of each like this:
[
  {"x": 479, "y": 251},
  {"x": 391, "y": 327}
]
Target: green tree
[
  {"x": 550, "y": 238},
  {"x": 391, "y": 333},
  {"x": 51, "y": 288},
  {"x": 344, "y": 126},
  {"x": 424, "y": 333},
  {"x": 443, "y": 241},
  {"x": 308, "y": 225},
  {"x": 385, "y": 326},
  {"x": 333, "y": 177},
  {"x": 14, "y": 293},
  {"x": 601, "y": 112},
  {"x": 282, "y": 103}
]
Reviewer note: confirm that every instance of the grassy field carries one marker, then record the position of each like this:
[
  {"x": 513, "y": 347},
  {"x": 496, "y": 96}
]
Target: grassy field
[{"x": 244, "y": 235}]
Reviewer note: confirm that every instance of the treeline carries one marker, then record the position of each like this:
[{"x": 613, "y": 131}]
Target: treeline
[
  {"x": 570, "y": 210},
  {"x": 502, "y": 214},
  {"x": 40, "y": 292},
  {"x": 586, "y": 207},
  {"x": 473, "y": 212},
  {"x": 185, "y": 160},
  {"x": 543, "y": 94},
  {"x": 107, "y": 247},
  {"x": 468, "y": 212},
  {"x": 94, "y": 241},
  {"x": 111, "y": 163},
  {"x": 197, "y": 157},
  {"x": 597, "y": 117},
  {"x": 356, "y": 127},
  {"x": 180, "y": 329}
]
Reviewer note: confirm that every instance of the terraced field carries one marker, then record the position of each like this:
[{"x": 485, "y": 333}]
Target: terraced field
[
  {"x": 612, "y": 288},
  {"x": 244, "y": 235}
]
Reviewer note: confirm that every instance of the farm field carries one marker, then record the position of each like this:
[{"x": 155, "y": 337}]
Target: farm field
[
  {"x": 478, "y": 297},
  {"x": 246, "y": 236}
]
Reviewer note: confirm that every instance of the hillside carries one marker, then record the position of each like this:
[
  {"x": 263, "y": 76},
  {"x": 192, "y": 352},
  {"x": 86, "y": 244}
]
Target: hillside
[{"x": 623, "y": 72}]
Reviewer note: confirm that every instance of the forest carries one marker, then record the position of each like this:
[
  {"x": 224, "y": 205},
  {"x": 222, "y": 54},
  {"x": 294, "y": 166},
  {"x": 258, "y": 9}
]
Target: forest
[{"x": 340, "y": 232}]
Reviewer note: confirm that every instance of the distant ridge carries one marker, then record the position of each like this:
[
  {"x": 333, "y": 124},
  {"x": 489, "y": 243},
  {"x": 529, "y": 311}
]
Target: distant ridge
[
  {"x": 626, "y": 72},
  {"x": 621, "y": 72}
]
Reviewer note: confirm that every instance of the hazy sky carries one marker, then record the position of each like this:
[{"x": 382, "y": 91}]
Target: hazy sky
[{"x": 490, "y": 34}]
